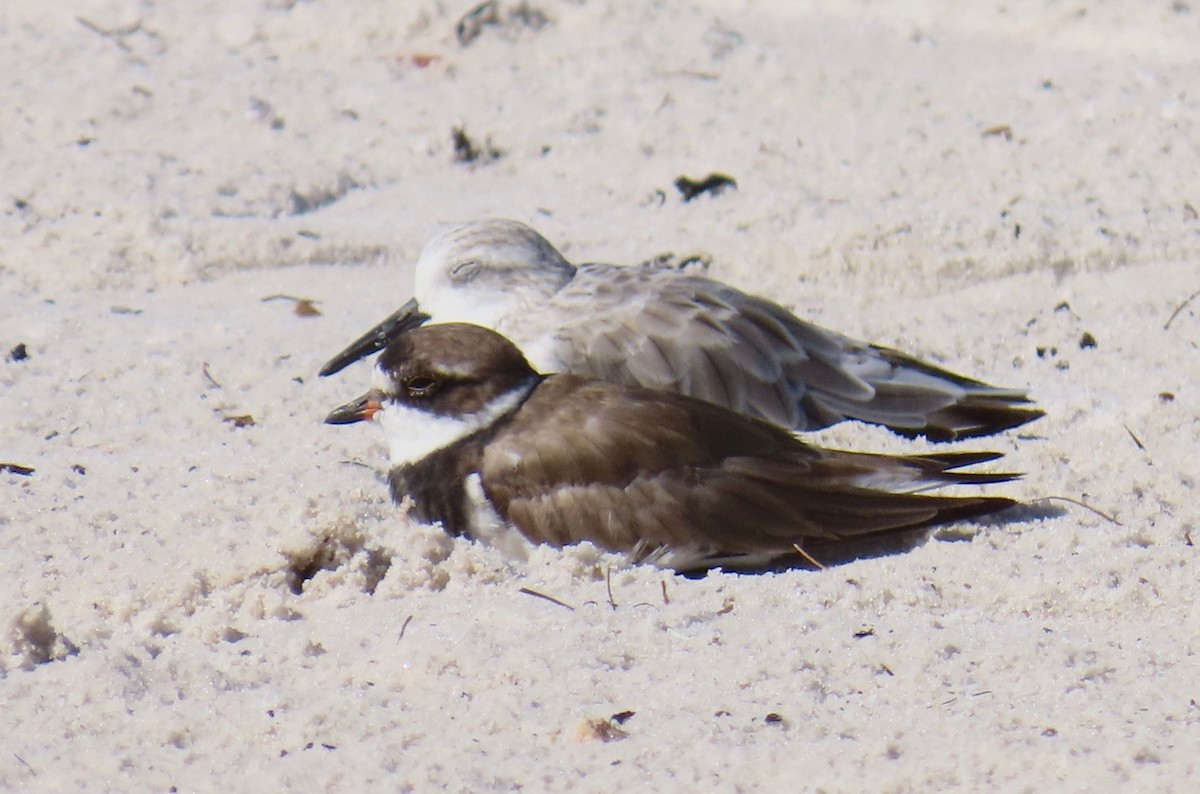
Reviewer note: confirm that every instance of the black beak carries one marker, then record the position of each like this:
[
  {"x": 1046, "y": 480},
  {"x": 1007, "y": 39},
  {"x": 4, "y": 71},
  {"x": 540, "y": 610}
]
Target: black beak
[
  {"x": 406, "y": 318},
  {"x": 361, "y": 410}
]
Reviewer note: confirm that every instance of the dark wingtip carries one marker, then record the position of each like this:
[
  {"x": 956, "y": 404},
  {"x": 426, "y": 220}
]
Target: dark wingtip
[
  {"x": 969, "y": 420},
  {"x": 948, "y": 465},
  {"x": 982, "y": 411},
  {"x": 956, "y": 460},
  {"x": 973, "y": 507}
]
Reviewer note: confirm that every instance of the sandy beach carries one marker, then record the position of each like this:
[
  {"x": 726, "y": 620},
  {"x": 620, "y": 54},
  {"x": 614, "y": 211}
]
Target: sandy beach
[{"x": 203, "y": 587}]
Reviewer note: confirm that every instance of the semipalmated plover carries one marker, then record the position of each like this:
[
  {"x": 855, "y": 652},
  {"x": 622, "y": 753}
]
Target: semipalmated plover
[
  {"x": 664, "y": 329},
  {"x": 491, "y": 449}
]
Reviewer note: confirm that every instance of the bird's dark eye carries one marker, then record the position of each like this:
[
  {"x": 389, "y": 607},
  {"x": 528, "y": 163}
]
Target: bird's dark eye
[
  {"x": 420, "y": 386},
  {"x": 465, "y": 271}
]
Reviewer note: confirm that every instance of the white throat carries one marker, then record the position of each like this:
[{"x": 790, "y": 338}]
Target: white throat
[
  {"x": 484, "y": 307},
  {"x": 414, "y": 434}
]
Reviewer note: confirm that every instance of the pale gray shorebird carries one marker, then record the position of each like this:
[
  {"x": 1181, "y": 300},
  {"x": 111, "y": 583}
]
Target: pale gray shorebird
[
  {"x": 663, "y": 329},
  {"x": 491, "y": 449}
]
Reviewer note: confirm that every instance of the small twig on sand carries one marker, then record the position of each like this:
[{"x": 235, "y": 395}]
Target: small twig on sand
[
  {"x": 305, "y": 307},
  {"x": 208, "y": 375},
  {"x": 1084, "y": 505},
  {"x": 808, "y": 557},
  {"x": 115, "y": 35},
  {"x": 1179, "y": 308},
  {"x": 1136, "y": 440},
  {"x": 550, "y": 598}
]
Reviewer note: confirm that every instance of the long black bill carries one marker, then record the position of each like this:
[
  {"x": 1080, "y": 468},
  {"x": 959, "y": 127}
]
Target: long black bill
[
  {"x": 361, "y": 410},
  {"x": 405, "y": 318}
]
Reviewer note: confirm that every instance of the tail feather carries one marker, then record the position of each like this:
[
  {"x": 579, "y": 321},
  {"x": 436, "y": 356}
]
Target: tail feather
[{"x": 946, "y": 466}]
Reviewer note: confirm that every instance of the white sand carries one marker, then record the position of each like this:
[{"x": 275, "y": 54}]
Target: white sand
[{"x": 149, "y": 182}]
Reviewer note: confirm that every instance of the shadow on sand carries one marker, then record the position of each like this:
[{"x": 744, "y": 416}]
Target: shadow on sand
[{"x": 833, "y": 554}]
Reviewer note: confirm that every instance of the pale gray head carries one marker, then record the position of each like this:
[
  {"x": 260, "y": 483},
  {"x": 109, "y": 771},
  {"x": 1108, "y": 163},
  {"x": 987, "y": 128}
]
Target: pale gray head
[
  {"x": 438, "y": 384},
  {"x": 484, "y": 270},
  {"x": 479, "y": 272}
]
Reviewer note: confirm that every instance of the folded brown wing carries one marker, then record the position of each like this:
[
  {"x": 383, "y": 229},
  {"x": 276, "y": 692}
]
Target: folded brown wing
[{"x": 585, "y": 460}]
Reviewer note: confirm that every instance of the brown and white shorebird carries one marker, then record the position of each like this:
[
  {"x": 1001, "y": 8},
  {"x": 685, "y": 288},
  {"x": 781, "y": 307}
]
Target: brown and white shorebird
[
  {"x": 491, "y": 449},
  {"x": 663, "y": 329}
]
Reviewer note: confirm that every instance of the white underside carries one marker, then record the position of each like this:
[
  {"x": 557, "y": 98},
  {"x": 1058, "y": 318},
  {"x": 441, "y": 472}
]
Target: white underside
[
  {"x": 489, "y": 527},
  {"x": 690, "y": 557}
]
